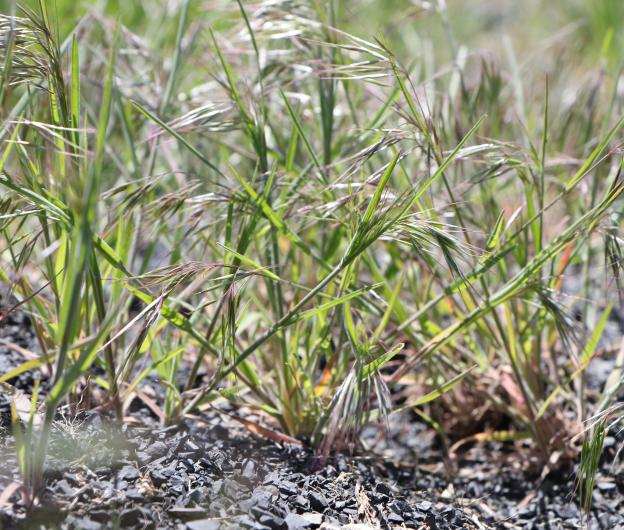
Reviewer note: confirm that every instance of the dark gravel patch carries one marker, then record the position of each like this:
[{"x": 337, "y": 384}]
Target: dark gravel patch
[
  {"x": 216, "y": 474},
  {"x": 212, "y": 473}
]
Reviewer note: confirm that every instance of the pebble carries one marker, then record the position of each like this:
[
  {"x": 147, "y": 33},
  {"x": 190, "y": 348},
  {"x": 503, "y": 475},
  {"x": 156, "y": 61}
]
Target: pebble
[
  {"x": 101, "y": 516},
  {"x": 395, "y": 518},
  {"x": 318, "y": 501},
  {"x": 130, "y": 517},
  {"x": 606, "y": 487},
  {"x": 424, "y": 506},
  {"x": 288, "y": 488},
  {"x": 63, "y": 487},
  {"x": 186, "y": 514},
  {"x": 302, "y": 522},
  {"x": 272, "y": 521},
  {"x": 156, "y": 449},
  {"x": 204, "y": 524},
  {"x": 128, "y": 473},
  {"x": 158, "y": 478}
]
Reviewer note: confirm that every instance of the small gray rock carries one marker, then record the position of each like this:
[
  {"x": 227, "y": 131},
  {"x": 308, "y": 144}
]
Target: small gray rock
[
  {"x": 128, "y": 473},
  {"x": 302, "y": 522},
  {"x": 130, "y": 517},
  {"x": 203, "y": 524},
  {"x": 606, "y": 486}
]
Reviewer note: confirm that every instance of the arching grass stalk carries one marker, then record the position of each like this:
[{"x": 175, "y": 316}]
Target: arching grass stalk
[{"x": 368, "y": 231}]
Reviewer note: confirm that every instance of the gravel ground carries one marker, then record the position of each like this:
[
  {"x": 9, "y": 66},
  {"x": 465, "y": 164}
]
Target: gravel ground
[{"x": 213, "y": 473}]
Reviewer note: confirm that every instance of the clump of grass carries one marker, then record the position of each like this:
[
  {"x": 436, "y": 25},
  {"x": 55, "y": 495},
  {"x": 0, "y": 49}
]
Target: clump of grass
[
  {"x": 301, "y": 223},
  {"x": 590, "y": 461}
]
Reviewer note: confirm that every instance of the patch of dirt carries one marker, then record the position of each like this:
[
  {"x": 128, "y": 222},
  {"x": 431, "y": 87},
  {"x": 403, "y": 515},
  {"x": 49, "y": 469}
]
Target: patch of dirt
[{"x": 212, "y": 473}]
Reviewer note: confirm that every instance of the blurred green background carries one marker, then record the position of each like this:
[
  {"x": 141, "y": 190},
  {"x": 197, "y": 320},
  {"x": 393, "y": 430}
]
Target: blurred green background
[{"x": 589, "y": 28}]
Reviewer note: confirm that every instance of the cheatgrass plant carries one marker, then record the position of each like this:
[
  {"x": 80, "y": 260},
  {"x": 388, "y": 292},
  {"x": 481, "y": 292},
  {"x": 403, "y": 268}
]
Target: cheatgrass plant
[
  {"x": 590, "y": 463},
  {"x": 261, "y": 204}
]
